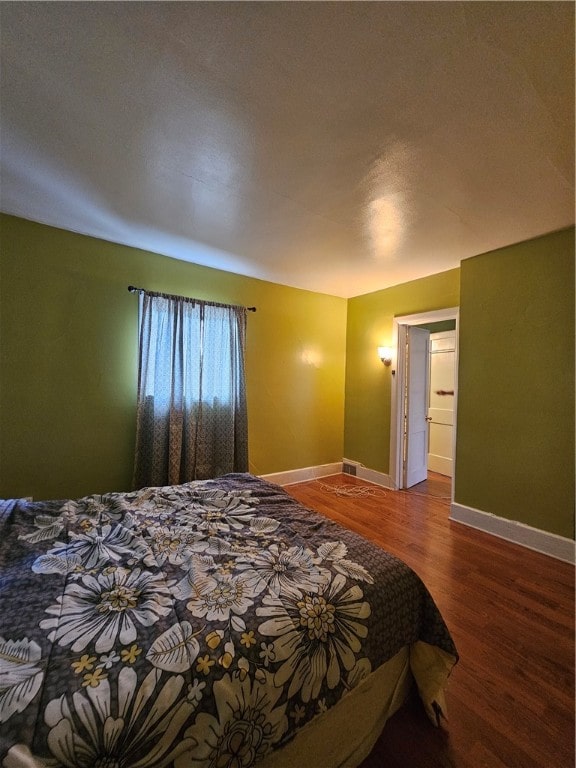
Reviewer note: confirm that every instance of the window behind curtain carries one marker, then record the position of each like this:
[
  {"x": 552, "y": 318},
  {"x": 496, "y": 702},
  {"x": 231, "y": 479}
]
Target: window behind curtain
[{"x": 191, "y": 419}]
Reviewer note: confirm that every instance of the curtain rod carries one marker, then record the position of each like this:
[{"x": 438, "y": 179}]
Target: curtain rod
[{"x": 134, "y": 289}]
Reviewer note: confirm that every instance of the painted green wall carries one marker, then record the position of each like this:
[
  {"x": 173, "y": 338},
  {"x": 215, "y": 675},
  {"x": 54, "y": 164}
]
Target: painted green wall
[
  {"x": 68, "y": 330},
  {"x": 368, "y": 382},
  {"x": 68, "y": 374},
  {"x": 515, "y": 423}
]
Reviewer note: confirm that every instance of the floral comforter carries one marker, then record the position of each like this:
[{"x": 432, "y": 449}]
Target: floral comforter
[{"x": 193, "y": 625}]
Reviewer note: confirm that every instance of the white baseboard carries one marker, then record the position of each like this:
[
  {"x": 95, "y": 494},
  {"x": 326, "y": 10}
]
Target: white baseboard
[
  {"x": 324, "y": 470},
  {"x": 373, "y": 476},
  {"x": 440, "y": 464},
  {"x": 519, "y": 533},
  {"x": 306, "y": 473}
]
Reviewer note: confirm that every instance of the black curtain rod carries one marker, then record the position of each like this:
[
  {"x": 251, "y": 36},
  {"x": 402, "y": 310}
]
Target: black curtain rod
[{"x": 134, "y": 289}]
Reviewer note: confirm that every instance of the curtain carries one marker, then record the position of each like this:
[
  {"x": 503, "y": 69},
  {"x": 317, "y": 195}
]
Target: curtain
[{"x": 191, "y": 412}]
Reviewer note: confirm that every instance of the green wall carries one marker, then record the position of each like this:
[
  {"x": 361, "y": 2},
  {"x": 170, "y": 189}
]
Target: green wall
[
  {"x": 368, "y": 382},
  {"x": 515, "y": 423},
  {"x": 68, "y": 331},
  {"x": 515, "y": 417},
  {"x": 68, "y": 356}
]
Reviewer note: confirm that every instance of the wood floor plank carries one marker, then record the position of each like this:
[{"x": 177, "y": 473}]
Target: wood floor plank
[{"x": 510, "y": 611}]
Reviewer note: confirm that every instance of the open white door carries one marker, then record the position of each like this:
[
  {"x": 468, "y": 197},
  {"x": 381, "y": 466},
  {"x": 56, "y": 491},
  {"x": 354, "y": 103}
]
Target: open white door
[
  {"x": 399, "y": 378},
  {"x": 416, "y": 423},
  {"x": 442, "y": 396}
]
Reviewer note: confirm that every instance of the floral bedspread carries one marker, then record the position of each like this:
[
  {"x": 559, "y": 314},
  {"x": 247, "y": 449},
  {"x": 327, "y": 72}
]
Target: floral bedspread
[{"x": 193, "y": 625}]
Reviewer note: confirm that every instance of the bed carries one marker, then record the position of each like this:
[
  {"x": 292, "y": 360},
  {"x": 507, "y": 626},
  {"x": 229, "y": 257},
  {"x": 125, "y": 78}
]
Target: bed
[{"x": 210, "y": 624}]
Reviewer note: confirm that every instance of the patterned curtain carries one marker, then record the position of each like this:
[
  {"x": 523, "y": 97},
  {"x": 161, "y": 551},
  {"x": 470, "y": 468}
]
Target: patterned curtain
[{"x": 191, "y": 418}]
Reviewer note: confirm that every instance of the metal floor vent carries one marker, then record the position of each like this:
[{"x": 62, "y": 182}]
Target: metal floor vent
[{"x": 349, "y": 469}]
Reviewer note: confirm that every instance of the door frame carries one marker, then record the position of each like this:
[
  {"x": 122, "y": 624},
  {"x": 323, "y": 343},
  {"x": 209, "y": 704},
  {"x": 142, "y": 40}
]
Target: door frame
[{"x": 399, "y": 382}]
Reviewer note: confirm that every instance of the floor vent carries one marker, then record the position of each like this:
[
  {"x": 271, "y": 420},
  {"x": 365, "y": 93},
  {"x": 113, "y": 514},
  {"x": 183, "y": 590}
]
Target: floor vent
[{"x": 349, "y": 469}]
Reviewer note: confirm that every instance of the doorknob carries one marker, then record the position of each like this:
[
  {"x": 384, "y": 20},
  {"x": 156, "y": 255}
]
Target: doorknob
[{"x": 428, "y": 418}]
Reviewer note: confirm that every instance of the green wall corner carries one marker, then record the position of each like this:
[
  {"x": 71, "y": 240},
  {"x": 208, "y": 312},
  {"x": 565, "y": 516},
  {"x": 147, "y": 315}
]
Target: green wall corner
[
  {"x": 68, "y": 358},
  {"x": 515, "y": 423},
  {"x": 368, "y": 382},
  {"x": 316, "y": 388}
]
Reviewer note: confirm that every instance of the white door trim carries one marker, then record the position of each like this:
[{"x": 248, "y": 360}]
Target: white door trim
[{"x": 399, "y": 380}]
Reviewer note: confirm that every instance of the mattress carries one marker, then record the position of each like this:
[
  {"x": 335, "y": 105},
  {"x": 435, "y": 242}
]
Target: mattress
[{"x": 214, "y": 623}]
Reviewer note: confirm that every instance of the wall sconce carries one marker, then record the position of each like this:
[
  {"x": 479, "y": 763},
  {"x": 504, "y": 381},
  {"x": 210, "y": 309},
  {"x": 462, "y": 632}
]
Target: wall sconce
[{"x": 385, "y": 354}]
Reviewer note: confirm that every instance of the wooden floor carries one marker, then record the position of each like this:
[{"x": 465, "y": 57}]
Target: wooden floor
[{"x": 511, "y": 614}]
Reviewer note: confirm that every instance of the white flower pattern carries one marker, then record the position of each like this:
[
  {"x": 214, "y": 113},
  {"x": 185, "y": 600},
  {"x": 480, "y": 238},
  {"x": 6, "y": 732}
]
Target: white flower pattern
[
  {"x": 217, "y": 597},
  {"x": 173, "y": 545},
  {"x": 288, "y": 571},
  {"x": 193, "y": 625},
  {"x": 107, "y": 607},
  {"x": 90, "y": 549},
  {"x": 317, "y": 634},
  {"x": 248, "y": 724},
  {"x": 92, "y": 730}
]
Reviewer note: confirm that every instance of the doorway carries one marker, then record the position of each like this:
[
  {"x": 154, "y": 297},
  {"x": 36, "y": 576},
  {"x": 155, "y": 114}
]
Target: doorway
[{"x": 409, "y": 423}]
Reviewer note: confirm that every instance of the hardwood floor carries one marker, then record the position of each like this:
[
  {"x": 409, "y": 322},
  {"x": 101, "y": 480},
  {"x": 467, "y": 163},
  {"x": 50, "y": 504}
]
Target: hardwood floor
[{"x": 511, "y": 613}]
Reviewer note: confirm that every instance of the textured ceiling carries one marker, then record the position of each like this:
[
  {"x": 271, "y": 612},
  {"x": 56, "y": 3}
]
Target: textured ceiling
[{"x": 340, "y": 147}]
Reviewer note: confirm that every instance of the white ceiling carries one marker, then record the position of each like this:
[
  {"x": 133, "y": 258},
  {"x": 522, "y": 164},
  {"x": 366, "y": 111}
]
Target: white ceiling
[{"x": 340, "y": 147}]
